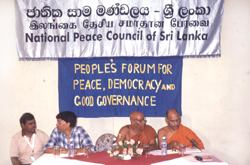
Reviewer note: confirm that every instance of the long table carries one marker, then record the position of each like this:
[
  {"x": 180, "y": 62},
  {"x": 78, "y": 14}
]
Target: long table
[{"x": 103, "y": 158}]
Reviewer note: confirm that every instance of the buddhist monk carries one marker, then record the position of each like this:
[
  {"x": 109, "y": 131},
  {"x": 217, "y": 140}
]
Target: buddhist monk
[
  {"x": 138, "y": 131},
  {"x": 175, "y": 133}
]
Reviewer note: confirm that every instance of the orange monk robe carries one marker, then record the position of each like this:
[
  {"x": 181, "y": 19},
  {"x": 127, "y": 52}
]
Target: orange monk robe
[
  {"x": 145, "y": 135},
  {"x": 180, "y": 136}
]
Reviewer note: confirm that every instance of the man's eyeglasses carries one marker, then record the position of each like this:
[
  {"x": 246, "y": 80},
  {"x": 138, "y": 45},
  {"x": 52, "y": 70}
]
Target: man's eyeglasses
[{"x": 144, "y": 119}]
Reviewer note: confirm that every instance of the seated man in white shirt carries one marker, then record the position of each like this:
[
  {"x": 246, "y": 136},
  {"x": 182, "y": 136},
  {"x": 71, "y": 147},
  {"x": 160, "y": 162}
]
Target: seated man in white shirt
[{"x": 27, "y": 145}]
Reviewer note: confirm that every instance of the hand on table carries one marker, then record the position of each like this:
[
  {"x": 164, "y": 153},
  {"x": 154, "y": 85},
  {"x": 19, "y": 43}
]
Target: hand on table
[
  {"x": 173, "y": 145},
  {"x": 63, "y": 151}
]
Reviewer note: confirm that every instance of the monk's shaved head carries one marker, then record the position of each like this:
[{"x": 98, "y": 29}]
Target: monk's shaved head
[
  {"x": 135, "y": 114},
  {"x": 137, "y": 120},
  {"x": 172, "y": 111},
  {"x": 173, "y": 119}
]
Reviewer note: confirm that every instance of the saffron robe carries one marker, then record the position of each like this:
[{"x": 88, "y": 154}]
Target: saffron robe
[
  {"x": 180, "y": 136},
  {"x": 145, "y": 135}
]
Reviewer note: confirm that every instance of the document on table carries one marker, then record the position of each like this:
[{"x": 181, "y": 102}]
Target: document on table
[
  {"x": 158, "y": 152},
  {"x": 192, "y": 150},
  {"x": 188, "y": 151}
]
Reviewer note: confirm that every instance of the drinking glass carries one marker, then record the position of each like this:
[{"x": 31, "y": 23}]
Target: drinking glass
[
  {"x": 182, "y": 149},
  {"x": 146, "y": 149},
  {"x": 56, "y": 152},
  {"x": 87, "y": 150}
]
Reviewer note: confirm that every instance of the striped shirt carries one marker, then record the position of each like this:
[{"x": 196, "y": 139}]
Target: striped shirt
[{"x": 78, "y": 134}]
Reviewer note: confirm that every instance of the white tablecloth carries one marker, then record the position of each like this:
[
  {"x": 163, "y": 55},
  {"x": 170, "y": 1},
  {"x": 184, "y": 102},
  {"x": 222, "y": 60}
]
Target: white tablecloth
[
  {"x": 191, "y": 160},
  {"x": 47, "y": 159}
]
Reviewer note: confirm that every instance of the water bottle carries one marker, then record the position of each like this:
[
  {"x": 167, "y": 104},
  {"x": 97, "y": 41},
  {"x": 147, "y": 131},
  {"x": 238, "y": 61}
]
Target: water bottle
[
  {"x": 138, "y": 143},
  {"x": 120, "y": 137},
  {"x": 164, "y": 146},
  {"x": 114, "y": 143},
  {"x": 71, "y": 148}
]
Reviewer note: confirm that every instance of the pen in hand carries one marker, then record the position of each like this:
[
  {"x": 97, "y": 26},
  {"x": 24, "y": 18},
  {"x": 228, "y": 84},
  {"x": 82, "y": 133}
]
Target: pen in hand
[{"x": 193, "y": 143}]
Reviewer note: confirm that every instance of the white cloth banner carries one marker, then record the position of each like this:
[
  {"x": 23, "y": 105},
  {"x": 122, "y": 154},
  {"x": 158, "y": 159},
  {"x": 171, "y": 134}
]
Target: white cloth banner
[{"x": 98, "y": 28}]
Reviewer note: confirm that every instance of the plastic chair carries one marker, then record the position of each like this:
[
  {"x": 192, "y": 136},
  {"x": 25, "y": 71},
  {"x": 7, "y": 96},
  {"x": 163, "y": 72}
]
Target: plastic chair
[{"x": 104, "y": 142}]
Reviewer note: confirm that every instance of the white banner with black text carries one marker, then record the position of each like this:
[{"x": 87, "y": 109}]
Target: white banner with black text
[{"x": 52, "y": 29}]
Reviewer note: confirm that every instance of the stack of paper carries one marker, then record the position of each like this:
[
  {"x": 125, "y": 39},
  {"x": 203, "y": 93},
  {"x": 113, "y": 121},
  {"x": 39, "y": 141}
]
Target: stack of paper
[{"x": 192, "y": 150}]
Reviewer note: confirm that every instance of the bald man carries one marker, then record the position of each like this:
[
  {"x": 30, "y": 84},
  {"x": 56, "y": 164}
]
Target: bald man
[
  {"x": 176, "y": 133},
  {"x": 138, "y": 131}
]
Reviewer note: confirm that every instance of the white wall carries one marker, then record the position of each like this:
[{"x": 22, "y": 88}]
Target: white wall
[{"x": 215, "y": 100}]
